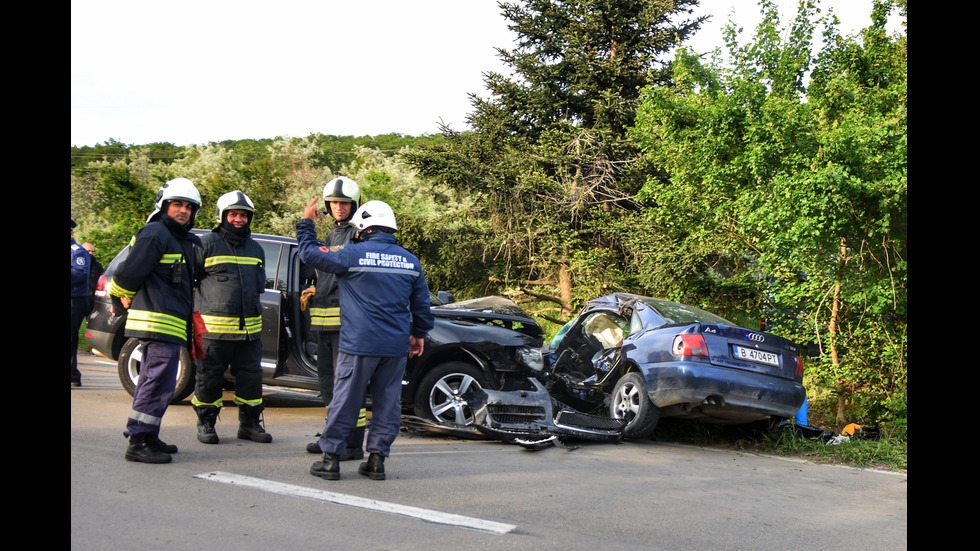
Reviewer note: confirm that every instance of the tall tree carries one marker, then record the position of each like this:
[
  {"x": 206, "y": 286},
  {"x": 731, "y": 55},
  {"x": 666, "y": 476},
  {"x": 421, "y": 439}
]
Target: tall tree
[
  {"x": 548, "y": 156},
  {"x": 583, "y": 62}
]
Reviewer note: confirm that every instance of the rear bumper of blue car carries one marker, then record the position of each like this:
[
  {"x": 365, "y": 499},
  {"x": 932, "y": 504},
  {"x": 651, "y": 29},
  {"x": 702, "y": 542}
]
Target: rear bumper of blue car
[{"x": 717, "y": 390}]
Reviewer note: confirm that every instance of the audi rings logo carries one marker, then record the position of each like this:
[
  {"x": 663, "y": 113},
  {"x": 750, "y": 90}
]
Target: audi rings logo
[{"x": 755, "y": 337}]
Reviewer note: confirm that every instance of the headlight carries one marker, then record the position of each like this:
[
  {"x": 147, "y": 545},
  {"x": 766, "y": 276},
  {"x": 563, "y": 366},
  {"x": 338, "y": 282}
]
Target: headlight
[{"x": 531, "y": 357}]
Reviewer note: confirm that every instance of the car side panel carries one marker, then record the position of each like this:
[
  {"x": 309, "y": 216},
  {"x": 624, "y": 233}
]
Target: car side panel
[
  {"x": 721, "y": 387},
  {"x": 103, "y": 331}
]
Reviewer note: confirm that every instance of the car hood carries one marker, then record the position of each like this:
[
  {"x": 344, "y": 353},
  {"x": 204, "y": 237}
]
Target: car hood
[{"x": 485, "y": 309}]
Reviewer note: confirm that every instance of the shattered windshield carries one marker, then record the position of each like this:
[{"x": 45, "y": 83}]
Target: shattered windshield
[{"x": 607, "y": 329}]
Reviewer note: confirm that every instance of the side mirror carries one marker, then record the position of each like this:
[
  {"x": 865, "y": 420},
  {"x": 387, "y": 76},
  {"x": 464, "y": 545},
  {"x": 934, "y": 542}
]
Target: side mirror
[{"x": 445, "y": 297}]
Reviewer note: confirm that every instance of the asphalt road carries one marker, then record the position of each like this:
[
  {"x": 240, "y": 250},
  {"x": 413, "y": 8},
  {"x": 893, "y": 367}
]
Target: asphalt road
[{"x": 447, "y": 493}]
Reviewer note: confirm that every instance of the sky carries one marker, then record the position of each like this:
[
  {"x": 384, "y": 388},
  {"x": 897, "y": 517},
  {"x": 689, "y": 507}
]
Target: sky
[{"x": 194, "y": 72}]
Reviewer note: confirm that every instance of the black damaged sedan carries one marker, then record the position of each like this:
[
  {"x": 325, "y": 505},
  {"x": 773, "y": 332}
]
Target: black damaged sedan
[
  {"x": 475, "y": 344},
  {"x": 639, "y": 359}
]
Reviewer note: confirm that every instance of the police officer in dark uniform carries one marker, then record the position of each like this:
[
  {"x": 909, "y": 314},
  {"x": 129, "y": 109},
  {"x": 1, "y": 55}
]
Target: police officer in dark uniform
[
  {"x": 154, "y": 283},
  {"x": 341, "y": 197},
  {"x": 385, "y": 309},
  {"x": 231, "y": 268},
  {"x": 81, "y": 264}
]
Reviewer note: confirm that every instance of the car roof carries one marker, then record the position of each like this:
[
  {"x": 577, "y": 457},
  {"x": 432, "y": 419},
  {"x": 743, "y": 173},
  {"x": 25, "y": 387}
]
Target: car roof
[
  {"x": 673, "y": 312},
  {"x": 256, "y": 236}
]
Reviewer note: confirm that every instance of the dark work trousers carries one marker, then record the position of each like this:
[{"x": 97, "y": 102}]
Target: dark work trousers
[
  {"x": 155, "y": 388},
  {"x": 327, "y": 347},
  {"x": 355, "y": 374},
  {"x": 79, "y": 307},
  {"x": 244, "y": 357}
]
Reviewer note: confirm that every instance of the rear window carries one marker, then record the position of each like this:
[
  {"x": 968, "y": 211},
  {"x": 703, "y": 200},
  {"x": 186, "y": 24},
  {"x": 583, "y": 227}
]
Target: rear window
[{"x": 682, "y": 313}]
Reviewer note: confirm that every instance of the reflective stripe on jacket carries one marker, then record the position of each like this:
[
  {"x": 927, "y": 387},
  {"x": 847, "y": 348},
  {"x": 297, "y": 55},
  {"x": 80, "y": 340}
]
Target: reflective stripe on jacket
[
  {"x": 325, "y": 306},
  {"x": 232, "y": 280},
  {"x": 156, "y": 275},
  {"x": 325, "y": 318}
]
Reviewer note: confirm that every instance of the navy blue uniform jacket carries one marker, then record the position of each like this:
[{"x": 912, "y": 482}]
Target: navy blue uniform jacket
[{"x": 383, "y": 293}]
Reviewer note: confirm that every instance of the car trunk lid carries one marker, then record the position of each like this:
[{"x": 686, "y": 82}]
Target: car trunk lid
[{"x": 741, "y": 348}]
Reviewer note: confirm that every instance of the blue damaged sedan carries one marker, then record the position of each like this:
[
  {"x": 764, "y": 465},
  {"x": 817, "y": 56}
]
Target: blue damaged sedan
[{"x": 641, "y": 359}]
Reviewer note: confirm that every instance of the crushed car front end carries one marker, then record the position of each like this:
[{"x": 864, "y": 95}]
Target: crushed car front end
[{"x": 531, "y": 414}]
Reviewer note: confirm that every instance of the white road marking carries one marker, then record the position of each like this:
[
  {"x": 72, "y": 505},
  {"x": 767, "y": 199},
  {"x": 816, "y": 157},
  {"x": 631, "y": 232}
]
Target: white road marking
[{"x": 427, "y": 515}]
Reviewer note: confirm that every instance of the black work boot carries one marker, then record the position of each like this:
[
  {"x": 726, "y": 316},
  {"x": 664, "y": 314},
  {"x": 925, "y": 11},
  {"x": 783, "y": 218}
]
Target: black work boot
[
  {"x": 154, "y": 442},
  {"x": 374, "y": 467},
  {"x": 355, "y": 445},
  {"x": 250, "y": 424},
  {"x": 313, "y": 447},
  {"x": 140, "y": 451},
  {"x": 207, "y": 416},
  {"x": 328, "y": 469}
]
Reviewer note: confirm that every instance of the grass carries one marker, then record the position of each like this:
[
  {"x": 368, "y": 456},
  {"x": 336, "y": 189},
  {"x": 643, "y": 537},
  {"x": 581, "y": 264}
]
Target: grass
[
  {"x": 83, "y": 345},
  {"x": 883, "y": 453},
  {"x": 889, "y": 452}
]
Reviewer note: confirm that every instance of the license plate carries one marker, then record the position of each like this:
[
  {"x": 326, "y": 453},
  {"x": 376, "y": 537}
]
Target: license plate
[{"x": 758, "y": 356}]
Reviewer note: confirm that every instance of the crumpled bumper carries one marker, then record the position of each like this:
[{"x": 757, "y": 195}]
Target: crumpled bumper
[
  {"x": 722, "y": 392},
  {"x": 532, "y": 414}
]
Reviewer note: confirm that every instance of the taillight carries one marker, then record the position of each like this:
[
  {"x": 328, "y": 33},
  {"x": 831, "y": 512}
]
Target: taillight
[
  {"x": 101, "y": 285},
  {"x": 799, "y": 366},
  {"x": 690, "y": 345}
]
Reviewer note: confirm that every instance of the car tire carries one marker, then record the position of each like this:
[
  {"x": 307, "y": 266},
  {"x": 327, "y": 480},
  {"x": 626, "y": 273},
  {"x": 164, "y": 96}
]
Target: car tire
[
  {"x": 630, "y": 401},
  {"x": 129, "y": 370},
  {"x": 439, "y": 397}
]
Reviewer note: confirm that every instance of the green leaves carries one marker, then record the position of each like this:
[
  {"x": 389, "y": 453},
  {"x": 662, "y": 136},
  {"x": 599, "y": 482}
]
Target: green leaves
[{"x": 811, "y": 182}]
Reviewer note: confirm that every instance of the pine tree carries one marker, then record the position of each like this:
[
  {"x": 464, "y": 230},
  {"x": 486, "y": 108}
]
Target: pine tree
[{"x": 548, "y": 153}]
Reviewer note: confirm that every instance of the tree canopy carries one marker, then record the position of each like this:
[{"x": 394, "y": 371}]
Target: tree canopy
[{"x": 547, "y": 158}]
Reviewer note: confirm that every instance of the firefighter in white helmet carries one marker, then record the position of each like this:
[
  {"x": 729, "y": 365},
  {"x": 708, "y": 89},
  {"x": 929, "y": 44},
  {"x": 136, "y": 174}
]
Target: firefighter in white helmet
[
  {"x": 385, "y": 309},
  {"x": 231, "y": 268},
  {"x": 341, "y": 198},
  {"x": 155, "y": 284}
]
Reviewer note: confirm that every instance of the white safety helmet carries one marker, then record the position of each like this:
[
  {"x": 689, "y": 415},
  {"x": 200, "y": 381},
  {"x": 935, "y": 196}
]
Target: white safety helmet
[
  {"x": 343, "y": 190},
  {"x": 178, "y": 188},
  {"x": 374, "y": 213},
  {"x": 234, "y": 200}
]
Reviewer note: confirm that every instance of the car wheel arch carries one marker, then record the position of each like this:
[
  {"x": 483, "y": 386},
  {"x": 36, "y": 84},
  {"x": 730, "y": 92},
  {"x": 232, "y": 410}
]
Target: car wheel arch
[
  {"x": 630, "y": 400},
  {"x": 128, "y": 370},
  {"x": 440, "y": 395},
  {"x": 431, "y": 359}
]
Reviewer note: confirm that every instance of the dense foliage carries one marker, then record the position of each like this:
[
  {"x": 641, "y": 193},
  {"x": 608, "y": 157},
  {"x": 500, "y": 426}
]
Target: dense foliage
[
  {"x": 113, "y": 185},
  {"x": 805, "y": 184}
]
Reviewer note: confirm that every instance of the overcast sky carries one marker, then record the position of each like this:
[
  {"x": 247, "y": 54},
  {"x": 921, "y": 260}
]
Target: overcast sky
[{"x": 193, "y": 72}]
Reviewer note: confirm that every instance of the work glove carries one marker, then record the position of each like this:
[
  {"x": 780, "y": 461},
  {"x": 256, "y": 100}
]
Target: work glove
[
  {"x": 306, "y": 296},
  {"x": 197, "y": 343}
]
